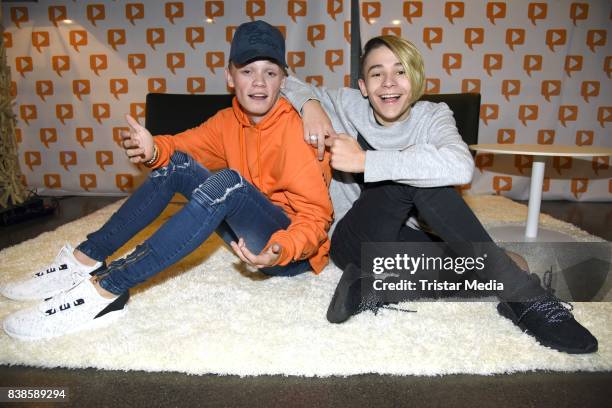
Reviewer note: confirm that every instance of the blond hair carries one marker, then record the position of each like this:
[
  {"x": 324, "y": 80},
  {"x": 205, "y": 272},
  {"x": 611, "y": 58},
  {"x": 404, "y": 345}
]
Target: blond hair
[{"x": 408, "y": 55}]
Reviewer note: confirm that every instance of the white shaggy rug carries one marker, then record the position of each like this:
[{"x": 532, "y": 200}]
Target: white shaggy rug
[{"x": 206, "y": 315}]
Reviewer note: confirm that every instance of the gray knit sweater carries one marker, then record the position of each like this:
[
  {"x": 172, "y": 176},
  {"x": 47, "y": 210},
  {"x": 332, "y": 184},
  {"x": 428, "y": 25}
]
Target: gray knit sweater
[{"x": 424, "y": 150}]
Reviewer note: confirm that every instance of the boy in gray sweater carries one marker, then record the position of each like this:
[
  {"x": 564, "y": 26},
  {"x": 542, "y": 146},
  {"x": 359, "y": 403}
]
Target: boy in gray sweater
[{"x": 394, "y": 159}]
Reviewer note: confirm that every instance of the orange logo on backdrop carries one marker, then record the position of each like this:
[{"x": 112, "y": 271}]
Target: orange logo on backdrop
[
  {"x": 562, "y": 163},
  {"x": 334, "y": 7},
  {"x": 453, "y": 10},
  {"x": 297, "y": 8},
  {"x": 451, "y": 61},
  {"x": 88, "y": 181},
  {"x": 496, "y": 10},
  {"x": 98, "y": 62},
  {"x": 510, "y": 87},
  {"x": 18, "y": 135},
  {"x": 347, "y": 31},
  {"x": 316, "y": 80},
  {"x": 118, "y": 86},
  {"x": 124, "y": 182},
  {"x": 134, "y": 11},
  {"x": 489, "y": 112},
  {"x": 600, "y": 163},
  {"x": 589, "y": 89},
  {"x": 370, "y": 11},
  {"x": 579, "y": 11},
  {"x": 44, "y": 88},
  {"x": 347, "y": 81},
  {"x": 432, "y": 85},
  {"x": 196, "y": 84},
  {"x": 23, "y": 65},
  {"x": 334, "y": 58},
  {"x": 81, "y": 87},
  {"x": 156, "y": 36},
  {"x": 567, "y": 113},
  {"x": 19, "y": 15},
  {"x": 470, "y": 85},
  {"x": 255, "y": 8},
  {"x": 104, "y": 158},
  {"x": 555, "y": 37},
  {"x": 28, "y": 113},
  {"x": 174, "y": 9},
  {"x": 67, "y": 159},
  {"x": 522, "y": 162},
  {"x": 584, "y": 137},
  {"x": 537, "y": 11},
  {"x": 296, "y": 59},
  {"x": 546, "y": 136},
  {"x": 579, "y": 186},
  {"x": 502, "y": 183},
  {"x": 117, "y": 135},
  {"x": 483, "y": 161},
  {"x": 138, "y": 110},
  {"x": 136, "y": 62},
  {"x": 84, "y": 135},
  {"x": 47, "y": 136},
  {"x": 64, "y": 111},
  {"x": 60, "y": 63},
  {"x": 515, "y": 36},
  {"x": 596, "y": 38},
  {"x": 395, "y": 30},
  {"x": 527, "y": 112},
  {"x": 315, "y": 33},
  {"x": 573, "y": 63},
  {"x": 52, "y": 180},
  {"x": 175, "y": 60},
  {"x": 604, "y": 114},
  {"x": 550, "y": 88},
  {"x": 57, "y": 14},
  {"x": 214, "y": 59},
  {"x": 413, "y": 9},
  {"x": 40, "y": 39},
  {"x": 156, "y": 85},
  {"x": 532, "y": 63},
  {"x": 214, "y": 9},
  {"x": 432, "y": 35},
  {"x": 195, "y": 35},
  {"x": 100, "y": 111},
  {"x": 506, "y": 136},
  {"x": 32, "y": 159},
  {"x": 95, "y": 12},
  {"x": 473, "y": 35},
  {"x": 116, "y": 37},
  {"x": 77, "y": 38},
  {"x": 492, "y": 62}
]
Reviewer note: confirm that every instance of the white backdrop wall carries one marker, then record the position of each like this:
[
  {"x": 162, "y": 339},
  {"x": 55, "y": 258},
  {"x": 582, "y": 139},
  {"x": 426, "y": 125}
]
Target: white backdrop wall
[
  {"x": 543, "y": 69},
  {"x": 74, "y": 80}
]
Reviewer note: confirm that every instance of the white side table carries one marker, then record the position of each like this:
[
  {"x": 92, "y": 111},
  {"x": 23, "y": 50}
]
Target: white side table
[{"x": 540, "y": 153}]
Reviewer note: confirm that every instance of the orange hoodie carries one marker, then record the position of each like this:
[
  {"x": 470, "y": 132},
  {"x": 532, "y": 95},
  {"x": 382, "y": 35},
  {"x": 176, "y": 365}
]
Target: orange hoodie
[{"x": 273, "y": 157}]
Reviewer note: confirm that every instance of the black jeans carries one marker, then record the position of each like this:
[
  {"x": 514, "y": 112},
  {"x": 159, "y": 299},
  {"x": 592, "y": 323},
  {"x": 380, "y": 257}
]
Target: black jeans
[{"x": 380, "y": 213}]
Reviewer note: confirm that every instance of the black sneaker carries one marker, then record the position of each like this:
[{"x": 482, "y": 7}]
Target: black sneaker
[
  {"x": 355, "y": 294},
  {"x": 551, "y": 323}
]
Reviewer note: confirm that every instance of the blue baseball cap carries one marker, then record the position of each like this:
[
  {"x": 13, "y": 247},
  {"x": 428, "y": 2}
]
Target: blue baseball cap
[{"x": 257, "y": 40}]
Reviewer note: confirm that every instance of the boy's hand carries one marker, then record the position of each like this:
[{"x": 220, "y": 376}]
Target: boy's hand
[
  {"x": 346, "y": 154},
  {"x": 317, "y": 126},
  {"x": 263, "y": 260},
  {"x": 138, "y": 142}
]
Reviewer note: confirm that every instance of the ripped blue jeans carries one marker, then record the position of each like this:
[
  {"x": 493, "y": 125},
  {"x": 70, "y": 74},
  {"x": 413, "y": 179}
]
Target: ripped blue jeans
[{"x": 223, "y": 202}]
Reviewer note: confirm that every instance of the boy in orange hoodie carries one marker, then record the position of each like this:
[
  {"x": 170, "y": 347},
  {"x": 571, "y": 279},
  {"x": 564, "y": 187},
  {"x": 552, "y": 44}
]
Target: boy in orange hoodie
[{"x": 268, "y": 200}]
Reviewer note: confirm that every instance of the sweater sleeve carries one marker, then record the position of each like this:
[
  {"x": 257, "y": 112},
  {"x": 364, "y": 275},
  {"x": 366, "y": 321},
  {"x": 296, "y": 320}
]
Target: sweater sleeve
[
  {"x": 203, "y": 143},
  {"x": 443, "y": 161}
]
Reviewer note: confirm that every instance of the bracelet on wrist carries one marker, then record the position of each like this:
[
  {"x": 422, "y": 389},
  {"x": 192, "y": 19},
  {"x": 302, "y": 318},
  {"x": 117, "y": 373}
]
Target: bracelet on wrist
[{"x": 153, "y": 159}]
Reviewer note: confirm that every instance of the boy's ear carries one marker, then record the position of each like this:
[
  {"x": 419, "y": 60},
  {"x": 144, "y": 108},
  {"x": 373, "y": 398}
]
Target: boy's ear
[
  {"x": 229, "y": 78},
  {"x": 362, "y": 87}
]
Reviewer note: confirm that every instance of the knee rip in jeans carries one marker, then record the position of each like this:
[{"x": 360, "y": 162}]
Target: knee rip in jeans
[
  {"x": 218, "y": 187},
  {"x": 178, "y": 160}
]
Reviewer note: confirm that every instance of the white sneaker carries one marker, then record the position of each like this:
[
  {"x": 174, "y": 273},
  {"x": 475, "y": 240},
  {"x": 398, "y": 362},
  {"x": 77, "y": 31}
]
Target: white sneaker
[
  {"x": 62, "y": 274},
  {"x": 79, "y": 308}
]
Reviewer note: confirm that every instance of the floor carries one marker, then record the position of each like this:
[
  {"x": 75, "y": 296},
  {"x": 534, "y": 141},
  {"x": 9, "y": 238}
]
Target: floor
[{"x": 95, "y": 388}]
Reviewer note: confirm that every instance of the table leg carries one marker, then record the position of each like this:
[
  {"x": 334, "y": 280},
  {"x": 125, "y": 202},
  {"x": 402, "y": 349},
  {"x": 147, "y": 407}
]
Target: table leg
[{"x": 535, "y": 196}]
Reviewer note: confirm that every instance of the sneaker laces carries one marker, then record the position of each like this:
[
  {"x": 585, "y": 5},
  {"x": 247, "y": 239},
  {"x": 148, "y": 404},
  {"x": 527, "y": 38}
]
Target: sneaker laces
[
  {"x": 553, "y": 309},
  {"x": 59, "y": 299}
]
